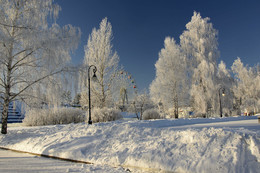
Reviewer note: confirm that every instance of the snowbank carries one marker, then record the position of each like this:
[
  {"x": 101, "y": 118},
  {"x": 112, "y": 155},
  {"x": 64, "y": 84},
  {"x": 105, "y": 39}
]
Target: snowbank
[{"x": 184, "y": 145}]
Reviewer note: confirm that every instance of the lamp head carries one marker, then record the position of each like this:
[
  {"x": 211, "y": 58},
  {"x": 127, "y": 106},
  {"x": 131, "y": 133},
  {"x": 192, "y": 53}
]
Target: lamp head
[
  {"x": 223, "y": 92},
  {"x": 94, "y": 77}
]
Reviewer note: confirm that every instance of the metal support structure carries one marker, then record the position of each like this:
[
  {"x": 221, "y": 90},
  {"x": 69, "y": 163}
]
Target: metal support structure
[{"x": 89, "y": 98}]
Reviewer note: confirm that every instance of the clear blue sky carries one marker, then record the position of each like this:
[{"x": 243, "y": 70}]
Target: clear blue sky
[{"x": 140, "y": 27}]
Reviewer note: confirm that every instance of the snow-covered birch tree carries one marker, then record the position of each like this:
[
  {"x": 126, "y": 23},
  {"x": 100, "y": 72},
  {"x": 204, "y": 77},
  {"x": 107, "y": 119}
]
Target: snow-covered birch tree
[
  {"x": 48, "y": 93},
  {"x": 98, "y": 52},
  {"x": 224, "y": 77},
  {"x": 225, "y": 81},
  {"x": 200, "y": 45},
  {"x": 31, "y": 48},
  {"x": 170, "y": 84},
  {"x": 247, "y": 86}
]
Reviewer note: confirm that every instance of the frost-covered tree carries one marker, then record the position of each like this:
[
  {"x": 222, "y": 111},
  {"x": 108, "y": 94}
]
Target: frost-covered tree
[
  {"x": 140, "y": 103},
  {"x": 223, "y": 75},
  {"x": 170, "y": 84},
  {"x": 31, "y": 48},
  {"x": 247, "y": 86},
  {"x": 66, "y": 97},
  {"x": 98, "y": 52},
  {"x": 76, "y": 100},
  {"x": 225, "y": 81},
  {"x": 47, "y": 93},
  {"x": 199, "y": 43}
]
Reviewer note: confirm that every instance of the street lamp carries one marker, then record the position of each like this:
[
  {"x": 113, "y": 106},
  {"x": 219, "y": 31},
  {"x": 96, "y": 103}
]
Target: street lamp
[
  {"x": 94, "y": 78},
  {"x": 221, "y": 91}
]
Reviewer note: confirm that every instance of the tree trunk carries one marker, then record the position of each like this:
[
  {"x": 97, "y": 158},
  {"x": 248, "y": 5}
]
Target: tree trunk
[
  {"x": 5, "y": 116},
  {"x": 141, "y": 113},
  {"x": 7, "y": 93},
  {"x": 136, "y": 112},
  {"x": 8, "y": 82},
  {"x": 6, "y": 97},
  {"x": 6, "y": 104},
  {"x": 176, "y": 107},
  {"x": 103, "y": 99}
]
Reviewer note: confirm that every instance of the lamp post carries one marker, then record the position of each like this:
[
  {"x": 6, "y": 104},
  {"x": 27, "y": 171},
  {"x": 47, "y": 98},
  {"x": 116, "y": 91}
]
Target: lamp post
[
  {"x": 223, "y": 94},
  {"x": 94, "y": 78}
]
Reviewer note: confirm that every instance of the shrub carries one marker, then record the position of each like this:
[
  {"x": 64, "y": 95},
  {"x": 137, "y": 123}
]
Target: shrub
[
  {"x": 104, "y": 115},
  {"x": 40, "y": 117},
  {"x": 151, "y": 114}
]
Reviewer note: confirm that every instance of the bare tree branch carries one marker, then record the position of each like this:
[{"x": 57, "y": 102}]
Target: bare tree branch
[
  {"x": 34, "y": 82},
  {"x": 22, "y": 59},
  {"x": 15, "y": 26}
]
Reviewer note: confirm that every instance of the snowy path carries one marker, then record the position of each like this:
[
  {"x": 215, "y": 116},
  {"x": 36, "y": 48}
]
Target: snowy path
[
  {"x": 12, "y": 162},
  {"x": 251, "y": 124}
]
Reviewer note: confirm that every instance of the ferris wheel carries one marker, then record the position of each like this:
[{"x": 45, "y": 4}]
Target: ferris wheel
[{"x": 127, "y": 86}]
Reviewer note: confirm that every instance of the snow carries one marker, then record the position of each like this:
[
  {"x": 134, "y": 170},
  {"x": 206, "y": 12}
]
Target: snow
[{"x": 183, "y": 145}]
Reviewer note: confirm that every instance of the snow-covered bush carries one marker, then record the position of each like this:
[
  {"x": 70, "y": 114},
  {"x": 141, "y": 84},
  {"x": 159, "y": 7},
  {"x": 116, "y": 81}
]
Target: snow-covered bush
[
  {"x": 40, "y": 117},
  {"x": 104, "y": 115},
  {"x": 151, "y": 114}
]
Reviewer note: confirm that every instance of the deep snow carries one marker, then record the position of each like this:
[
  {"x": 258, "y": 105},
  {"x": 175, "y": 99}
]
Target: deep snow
[{"x": 183, "y": 145}]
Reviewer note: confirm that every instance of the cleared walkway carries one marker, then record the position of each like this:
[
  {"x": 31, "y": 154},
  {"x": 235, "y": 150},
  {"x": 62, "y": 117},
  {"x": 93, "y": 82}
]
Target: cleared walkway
[{"x": 14, "y": 162}]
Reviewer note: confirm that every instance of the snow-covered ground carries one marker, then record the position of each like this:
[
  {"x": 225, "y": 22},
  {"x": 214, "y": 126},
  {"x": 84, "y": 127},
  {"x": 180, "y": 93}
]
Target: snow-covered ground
[{"x": 183, "y": 145}]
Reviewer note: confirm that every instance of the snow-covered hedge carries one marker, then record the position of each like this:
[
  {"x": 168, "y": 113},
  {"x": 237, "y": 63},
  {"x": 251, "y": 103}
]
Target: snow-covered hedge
[
  {"x": 151, "y": 114},
  {"x": 104, "y": 115},
  {"x": 40, "y": 117}
]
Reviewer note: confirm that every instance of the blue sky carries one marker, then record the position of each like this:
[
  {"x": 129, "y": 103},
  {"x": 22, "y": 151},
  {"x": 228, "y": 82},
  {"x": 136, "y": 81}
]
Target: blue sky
[{"x": 140, "y": 27}]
